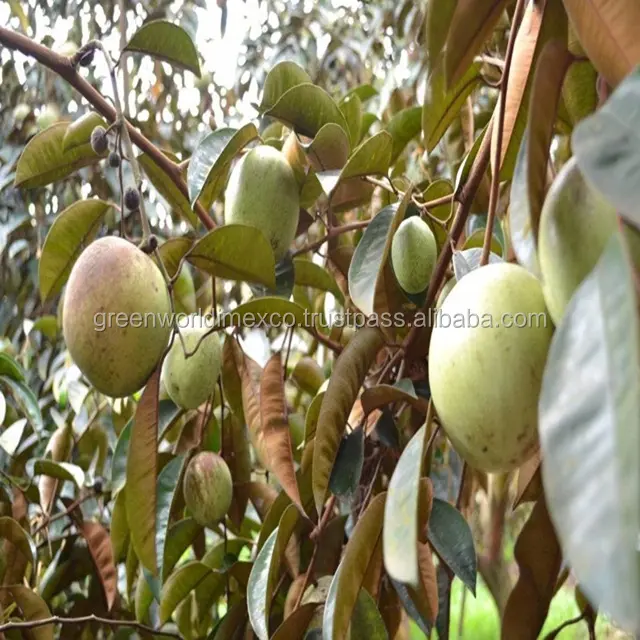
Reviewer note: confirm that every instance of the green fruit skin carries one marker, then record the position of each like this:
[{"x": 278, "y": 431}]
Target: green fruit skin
[
  {"x": 262, "y": 192},
  {"x": 445, "y": 291},
  {"x": 111, "y": 277},
  {"x": 208, "y": 488},
  {"x": 413, "y": 254},
  {"x": 485, "y": 381},
  {"x": 575, "y": 225},
  {"x": 189, "y": 381}
]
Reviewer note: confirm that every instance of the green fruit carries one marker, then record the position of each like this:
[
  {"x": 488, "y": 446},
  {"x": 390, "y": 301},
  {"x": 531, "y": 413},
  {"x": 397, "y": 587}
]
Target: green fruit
[
  {"x": 575, "y": 225},
  {"x": 189, "y": 381},
  {"x": 184, "y": 291},
  {"x": 445, "y": 291},
  {"x": 116, "y": 317},
  {"x": 263, "y": 193},
  {"x": 485, "y": 378},
  {"x": 413, "y": 254},
  {"x": 207, "y": 488},
  {"x": 48, "y": 116}
]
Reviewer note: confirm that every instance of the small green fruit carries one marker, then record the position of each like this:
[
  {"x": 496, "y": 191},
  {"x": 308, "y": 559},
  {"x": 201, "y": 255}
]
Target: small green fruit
[
  {"x": 575, "y": 225},
  {"x": 116, "y": 317},
  {"x": 413, "y": 254},
  {"x": 189, "y": 381},
  {"x": 207, "y": 488},
  {"x": 263, "y": 193},
  {"x": 485, "y": 378}
]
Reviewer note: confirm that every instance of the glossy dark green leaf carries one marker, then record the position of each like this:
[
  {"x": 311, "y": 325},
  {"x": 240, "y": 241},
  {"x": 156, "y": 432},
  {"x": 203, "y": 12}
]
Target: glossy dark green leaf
[
  {"x": 403, "y": 127},
  {"x": 10, "y": 368},
  {"x": 590, "y": 435},
  {"x": 167, "y": 487},
  {"x": 73, "y": 229},
  {"x": 451, "y": 537},
  {"x": 213, "y": 154},
  {"x": 168, "y": 42},
  {"x": 345, "y": 475},
  {"x": 43, "y": 160}
]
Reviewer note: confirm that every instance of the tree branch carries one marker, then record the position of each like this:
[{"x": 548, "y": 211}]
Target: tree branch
[{"x": 63, "y": 67}]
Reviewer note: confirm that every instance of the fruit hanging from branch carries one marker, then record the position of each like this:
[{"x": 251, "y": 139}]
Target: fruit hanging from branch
[{"x": 413, "y": 254}]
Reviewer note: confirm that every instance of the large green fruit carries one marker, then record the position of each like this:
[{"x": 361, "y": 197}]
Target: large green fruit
[
  {"x": 208, "y": 488},
  {"x": 117, "y": 316},
  {"x": 575, "y": 225},
  {"x": 263, "y": 193},
  {"x": 484, "y": 376},
  {"x": 189, "y": 381},
  {"x": 413, "y": 254}
]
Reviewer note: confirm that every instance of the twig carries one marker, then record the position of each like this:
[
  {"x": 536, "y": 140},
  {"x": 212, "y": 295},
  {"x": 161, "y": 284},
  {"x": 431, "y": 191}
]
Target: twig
[
  {"x": 495, "y": 176},
  {"x": 367, "y": 496},
  {"x": 43, "y": 622},
  {"x": 65, "y": 69},
  {"x": 333, "y": 233},
  {"x": 61, "y": 514}
]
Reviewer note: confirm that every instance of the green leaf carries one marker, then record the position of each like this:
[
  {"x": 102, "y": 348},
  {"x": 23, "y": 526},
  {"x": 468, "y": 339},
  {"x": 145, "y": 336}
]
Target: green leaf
[
  {"x": 451, "y": 537},
  {"x": 79, "y": 131},
  {"x": 179, "y": 537},
  {"x": 347, "y": 469},
  {"x": 179, "y": 585},
  {"x": 310, "y": 274},
  {"x": 265, "y": 572},
  {"x": 26, "y": 400},
  {"x": 43, "y": 160},
  {"x": 403, "y": 127},
  {"x": 364, "y": 91},
  {"x": 119, "y": 529},
  {"x": 295, "y": 625},
  {"x": 60, "y": 470},
  {"x": 21, "y": 541},
  {"x": 119, "y": 459},
  {"x": 168, "y": 486},
  {"x": 351, "y": 108},
  {"x": 348, "y": 579},
  {"x": 73, "y": 229},
  {"x": 232, "y": 623},
  {"x": 213, "y": 155},
  {"x": 12, "y": 436},
  {"x": 279, "y": 80},
  {"x": 381, "y": 395},
  {"x": 171, "y": 253},
  {"x": 607, "y": 147},
  {"x": 47, "y": 326},
  {"x": 32, "y": 608},
  {"x": 175, "y": 198},
  {"x": 236, "y": 252},
  {"x": 372, "y": 157},
  {"x": 10, "y": 368},
  {"x": 441, "y": 106},
  {"x": 437, "y": 21},
  {"x": 168, "y": 42},
  {"x": 401, "y": 515},
  {"x": 590, "y": 436},
  {"x": 345, "y": 382},
  {"x": 142, "y": 471},
  {"x": 266, "y": 312},
  {"x": 366, "y": 621},
  {"x": 329, "y": 150},
  {"x": 306, "y": 108}
]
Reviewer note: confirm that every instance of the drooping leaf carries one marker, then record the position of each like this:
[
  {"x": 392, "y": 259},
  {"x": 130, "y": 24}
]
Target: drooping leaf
[
  {"x": 606, "y": 29},
  {"x": 451, "y": 537},
  {"x": 172, "y": 252},
  {"x": 73, "y": 229},
  {"x": 590, "y": 435},
  {"x": 119, "y": 529},
  {"x": 607, "y": 147},
  {"x": 366, "y": 621},
  {"x": 267, "y": 312},
  {"x": 345, "y": 382},
  {"x": 345, "y": 475},
  {"x": 99, "y": 544},
  {"x": 351, "y": 108},
  {"x": 142, "y": 471},
  {"x": 530, "y": 174},
  {"x": 64, "y": 471},
  {"x": 232, "y": 362},
  {"x": 119, "y": 459},
  {"x": 211, "y": 157},
  {"x": 329, "y": 149},
  {"x": 310, "y": 274},
  {"x": 347, "y": 581},
  {"x": 403, "y": 127},
  {"x": 43, "y": 160},
  {"x": 438, "y": 16},
  {"x": 21, "y": 541},
  {"x": 282, "y": 77},
  {"x": 275, "y": 427},
  {"x": 442, "y": 105},
  {"x": 10, "y": 368},
  {"x": 232, "y": 623},
  {"x": 295, "y": 626},
  {"x": 168, "y": 485},
  {"x": 25, "y": 399},
  {"x": 179, "y": 537},
  {"x": 381, "y": 395},
  {"x": 79, "y": 131},
  {"x": 168, "y": 42},
  {"x": 237, "y": 455},
  {"x": 266, "y": 570},
  {"x": 32, "y": 607},
  {"x": 236, "y": 252},
  {"x": 179, "y": 585}
]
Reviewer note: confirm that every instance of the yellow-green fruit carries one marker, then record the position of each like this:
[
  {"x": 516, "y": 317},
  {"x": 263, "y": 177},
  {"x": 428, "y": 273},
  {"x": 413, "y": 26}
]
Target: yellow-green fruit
[
  {"x": 189, "y": 381},
  {"x": 413, "y": 254},
  {"x": 575, "y": 225},
  {"x": 207, "y": 488},
  {"x": 486, "y": 359},
  {"x": 48, "y": 116},
  {"x": 184, "y": 291},
  {"x": 116, "y": 316},
  {"x": 263, "y": 193},
  {"x": 445, "y": 291}
]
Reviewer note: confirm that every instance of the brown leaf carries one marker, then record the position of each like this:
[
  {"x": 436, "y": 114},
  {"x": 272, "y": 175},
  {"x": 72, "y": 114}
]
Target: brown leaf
[
  {"x": 142, "y": 473},
  {"x": 428, "y": 580},
  {"x": 262, "y": 496},
  {"x": 99, "y": 544},
  {"x": 472, "y": 22},
  {"x": 529, "y": 482},
  {"x": 232, "y": 359},
  {"x": 371, "y": 580},
  {"x": 235, "y": 451},
  {"x": 391, "y": 610},
  {"x": 539, "y": 558},
  {"x": 275, "y": 428},
  {"x": 330, "y": 547},
  {"x": 608, "y": 31}
]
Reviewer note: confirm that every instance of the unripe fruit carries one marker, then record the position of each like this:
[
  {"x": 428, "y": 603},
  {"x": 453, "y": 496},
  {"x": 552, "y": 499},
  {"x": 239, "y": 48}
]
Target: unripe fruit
[
  {"x": 445, "y": 291},
  {"x": 207, "y": 488},
  {"x": 413, "y": 254},
  {"x": 116, "y": 316},
  {"x": 263, "y": 193},
  {"x": 99, "y": 142},
  {"x": 114, "y": 159},
  {"x": 189, "y": 381},
  {"x": 485, "y": 378},
  {"x": 184, "y": 291},
  {"x": 132, "y": 198},
  {"x": 575, "y": 225}
]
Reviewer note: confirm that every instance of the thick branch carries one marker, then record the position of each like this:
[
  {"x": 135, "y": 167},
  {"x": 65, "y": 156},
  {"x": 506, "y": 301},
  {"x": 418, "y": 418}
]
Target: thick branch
[{"x": 63, "y": 67}]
